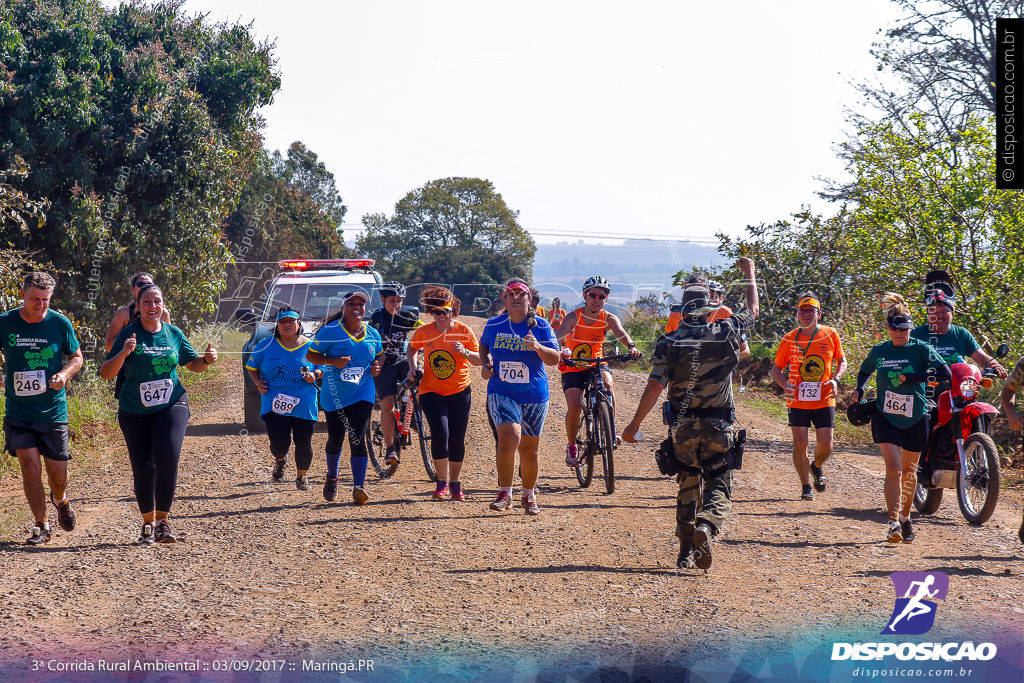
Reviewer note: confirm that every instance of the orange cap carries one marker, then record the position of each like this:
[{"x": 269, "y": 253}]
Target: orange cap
[{"x": 808, "y": 301}]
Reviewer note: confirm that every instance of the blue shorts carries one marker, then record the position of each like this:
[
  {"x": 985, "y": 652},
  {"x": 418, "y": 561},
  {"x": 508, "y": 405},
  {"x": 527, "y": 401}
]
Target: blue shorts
[{"x": 530, "y": 416}]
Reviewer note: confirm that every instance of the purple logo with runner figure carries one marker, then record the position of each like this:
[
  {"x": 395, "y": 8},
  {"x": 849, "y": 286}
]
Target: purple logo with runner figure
[{"x": 917, "y": 596}]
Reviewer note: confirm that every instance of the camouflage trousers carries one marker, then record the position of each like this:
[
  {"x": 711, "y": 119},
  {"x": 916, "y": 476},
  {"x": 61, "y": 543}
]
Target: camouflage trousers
[{"x": 701, "y": 444}]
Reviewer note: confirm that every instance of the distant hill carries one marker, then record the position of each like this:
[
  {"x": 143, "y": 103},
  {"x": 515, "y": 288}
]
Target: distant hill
[{"x": 642, "y": 265}]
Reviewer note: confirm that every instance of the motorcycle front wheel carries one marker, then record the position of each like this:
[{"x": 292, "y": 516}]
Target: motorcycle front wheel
[{"x": 978, "y": 490}]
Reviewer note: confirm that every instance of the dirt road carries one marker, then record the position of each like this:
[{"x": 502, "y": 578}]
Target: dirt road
[{"x": 264, "y": 569}]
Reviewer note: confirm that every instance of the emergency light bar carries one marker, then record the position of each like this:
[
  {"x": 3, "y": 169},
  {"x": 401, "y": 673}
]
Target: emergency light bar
[{"x": 324, "y": 264}]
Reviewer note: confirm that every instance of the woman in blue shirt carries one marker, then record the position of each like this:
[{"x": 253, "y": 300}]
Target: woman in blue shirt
[
  {"x": 514, "y": 348},
  {"x": 351, "y": 352},
  {"x": 287, "y": 384}
]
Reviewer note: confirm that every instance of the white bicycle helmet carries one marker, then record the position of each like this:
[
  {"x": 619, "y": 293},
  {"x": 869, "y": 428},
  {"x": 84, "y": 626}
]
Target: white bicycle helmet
[{"x": 596, "y": 281}]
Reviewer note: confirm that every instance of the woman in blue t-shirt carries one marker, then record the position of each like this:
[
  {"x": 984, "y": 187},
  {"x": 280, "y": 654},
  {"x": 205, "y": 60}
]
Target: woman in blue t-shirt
[
  {"x": 514, "y": 348},
  {"x": 287, "y": 384},
  {"x": 351, "y": 352}
]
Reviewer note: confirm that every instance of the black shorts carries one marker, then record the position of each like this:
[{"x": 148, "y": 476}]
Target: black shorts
[
  {"x": 51, "y": 438},
  {"x": 574, "y": 380},
  {"x": 819, "y": 417},
  {"x": 913, "y": 438},
  {"x": 390, "y": 375}
]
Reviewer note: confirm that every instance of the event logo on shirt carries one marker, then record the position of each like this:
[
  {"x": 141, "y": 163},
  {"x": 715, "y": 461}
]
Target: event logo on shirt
[
  {"x": 162, "y": 365},
  {"x": 812, "y": 368},
  {"x": 442, "y": 364},
  {"x": 40, "y": 359},
  {"x": 582, "y": 351}
]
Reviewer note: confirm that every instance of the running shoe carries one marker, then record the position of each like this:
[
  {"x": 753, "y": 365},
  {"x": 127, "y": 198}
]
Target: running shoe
[
  {"x": 806, "y": 493},
  {"x": 302, "y": 483},
  {"x": 895, "y": 534},
  {"x": 502, "y": 502},
  {"x": 147, "y": 537},
  {"x": 618, "y": 439},
  {"x": 359, "y": 496},
  {"x": 572, "y": 458},
  {"x": 162, "y": 532},
  {"x": 685, "y": 559},
  {"x": 40, "y": 535},
  {"x": 442, "y": 494},
  {"x": 330, "y": 489},
  {"x": 819, "y": 478},
  {"x": 65, "y": 515},
  {"x": 457, "y": 494},
  {"x": 908, "y": 531},
  {"x": 702, "y": 546},
  {"x": 391, "y": 457},
  {"x": 530, "y": 506},
  {"x": 278, "y": 474}
]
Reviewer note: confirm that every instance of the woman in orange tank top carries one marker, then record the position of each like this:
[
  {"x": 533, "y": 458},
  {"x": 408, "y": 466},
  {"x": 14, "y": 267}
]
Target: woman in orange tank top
[{"x": 583, "y": 332}]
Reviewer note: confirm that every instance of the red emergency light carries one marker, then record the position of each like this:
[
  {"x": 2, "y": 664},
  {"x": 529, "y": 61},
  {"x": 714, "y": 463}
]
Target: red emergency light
[{"x": 322, "y": 264}]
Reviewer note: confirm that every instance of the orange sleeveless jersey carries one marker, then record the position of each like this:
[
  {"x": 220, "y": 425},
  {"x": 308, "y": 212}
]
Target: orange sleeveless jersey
[
  {"x": 586, "y": 339},
  {"x": 445, "y": 372}
]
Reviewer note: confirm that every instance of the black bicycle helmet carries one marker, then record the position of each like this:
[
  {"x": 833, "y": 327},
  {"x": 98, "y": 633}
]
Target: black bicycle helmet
[
  {"x": 859, "y": 414},
  {"x": 392, "y": 288}
]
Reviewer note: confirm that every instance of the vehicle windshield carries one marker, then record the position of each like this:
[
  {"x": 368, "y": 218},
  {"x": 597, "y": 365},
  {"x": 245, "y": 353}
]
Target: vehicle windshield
[{"x": 314, "y": 301}]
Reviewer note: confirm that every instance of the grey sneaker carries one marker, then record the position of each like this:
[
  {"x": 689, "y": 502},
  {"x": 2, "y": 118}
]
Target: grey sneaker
[
  {"x": 41, "y": 533},
  {"x": 819, "y": 478},
  {"x": 302, "y": 483},
  {"x": 895, "y": 533},
  {"x": 806, "y": 493},
  {"x": 530, "y": 507},
  {"x": 147, "y": 537}
]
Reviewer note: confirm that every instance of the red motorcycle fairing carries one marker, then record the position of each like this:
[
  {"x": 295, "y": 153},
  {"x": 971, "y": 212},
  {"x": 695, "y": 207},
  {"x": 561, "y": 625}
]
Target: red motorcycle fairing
[
  {"x": 970, "y": 412},
  {"x": 945, "y": 408}
]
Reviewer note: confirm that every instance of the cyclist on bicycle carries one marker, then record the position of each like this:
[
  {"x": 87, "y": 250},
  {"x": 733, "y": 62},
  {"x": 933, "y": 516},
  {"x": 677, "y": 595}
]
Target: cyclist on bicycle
[
  {"x": 583, "y": 332},
  {"x": 394, "y": 324}
]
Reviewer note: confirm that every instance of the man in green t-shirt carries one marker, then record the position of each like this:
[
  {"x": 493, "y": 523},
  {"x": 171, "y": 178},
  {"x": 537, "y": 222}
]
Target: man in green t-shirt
[{"x": 35, "y": 342}]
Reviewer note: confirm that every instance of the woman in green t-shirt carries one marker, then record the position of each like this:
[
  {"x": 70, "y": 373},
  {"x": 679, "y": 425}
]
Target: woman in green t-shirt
[
  {"x": 153, "y": 409},
  {"x": 900, "y": 423}
]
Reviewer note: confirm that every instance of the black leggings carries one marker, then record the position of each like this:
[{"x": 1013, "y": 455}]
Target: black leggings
[
  {"x": 281, "y": 429},
  {"x": 357, "y": 416},
  {"x": 154, "y": 447},
  {"x": 448, "y": 417}
]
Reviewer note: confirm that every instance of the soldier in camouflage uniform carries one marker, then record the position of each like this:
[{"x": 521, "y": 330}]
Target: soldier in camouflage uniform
[
  {"x": 695, "y": 363},
  {"x": 1014, "y": 383}
]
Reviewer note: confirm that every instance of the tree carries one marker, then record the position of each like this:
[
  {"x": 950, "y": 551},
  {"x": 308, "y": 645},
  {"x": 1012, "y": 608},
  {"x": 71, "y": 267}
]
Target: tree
[
  {"x": 939, "y": 59},
  {"x": 139, "y": 127},
  {"x": 451, "y": 227},
  {"x": 304, "y": 171}
]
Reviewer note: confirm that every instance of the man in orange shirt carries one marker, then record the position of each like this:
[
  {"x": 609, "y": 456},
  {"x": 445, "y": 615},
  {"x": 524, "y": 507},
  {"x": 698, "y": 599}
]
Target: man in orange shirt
[
  {"x": 721, "y": 313},
  {"x": 803, "y": 368}
]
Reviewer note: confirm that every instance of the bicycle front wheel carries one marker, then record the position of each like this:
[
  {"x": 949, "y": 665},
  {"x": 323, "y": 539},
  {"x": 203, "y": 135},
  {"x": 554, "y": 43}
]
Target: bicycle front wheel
[
  {"x": 376, "y": 448},
  {"x": 422, "y": 428},
  {"x": 606, "y": 442},
  {"x": 584, "y": 469}
]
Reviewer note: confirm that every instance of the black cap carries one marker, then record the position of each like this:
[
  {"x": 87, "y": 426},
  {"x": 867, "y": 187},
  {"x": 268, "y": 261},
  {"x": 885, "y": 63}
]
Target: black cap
[{"x": 859, "y": 414}]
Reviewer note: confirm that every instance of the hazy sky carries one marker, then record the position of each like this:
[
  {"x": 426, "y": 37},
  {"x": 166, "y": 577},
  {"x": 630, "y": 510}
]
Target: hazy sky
[{"x": 657, "y": 119}]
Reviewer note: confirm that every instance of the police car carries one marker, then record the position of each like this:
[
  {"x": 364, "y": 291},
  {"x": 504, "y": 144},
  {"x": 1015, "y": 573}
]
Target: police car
[{"x": 314, "y": 287}]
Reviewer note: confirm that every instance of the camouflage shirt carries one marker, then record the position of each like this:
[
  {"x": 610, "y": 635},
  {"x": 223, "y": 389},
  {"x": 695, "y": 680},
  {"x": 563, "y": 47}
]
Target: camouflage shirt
[
  {"x": 696, "y": 361},
  {"x": 1015, "y": 380}
]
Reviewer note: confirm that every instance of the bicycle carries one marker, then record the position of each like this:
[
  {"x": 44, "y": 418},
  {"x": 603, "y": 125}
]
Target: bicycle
[
  {"x": 409, "y": 418},
  {"x": 597, "y": 425}
]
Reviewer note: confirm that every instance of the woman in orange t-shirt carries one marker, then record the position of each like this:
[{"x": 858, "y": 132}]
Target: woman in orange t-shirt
[
  {"x": 803, "y": 368},
  {"x": 449, "y": 347}
]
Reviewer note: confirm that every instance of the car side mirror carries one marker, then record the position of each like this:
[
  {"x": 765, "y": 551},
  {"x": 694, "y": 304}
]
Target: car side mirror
[{"x": 246, "y": 317}]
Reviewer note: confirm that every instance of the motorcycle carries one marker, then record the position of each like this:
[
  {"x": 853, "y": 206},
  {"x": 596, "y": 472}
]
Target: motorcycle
[{"x": 972, "y": 465}]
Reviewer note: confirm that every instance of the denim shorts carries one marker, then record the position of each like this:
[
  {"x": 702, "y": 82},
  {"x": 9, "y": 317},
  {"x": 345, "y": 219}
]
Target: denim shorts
[{"x": 529, "y": 415}]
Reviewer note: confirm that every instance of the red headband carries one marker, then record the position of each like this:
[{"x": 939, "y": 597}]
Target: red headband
[{"x": 518, "y": 285}]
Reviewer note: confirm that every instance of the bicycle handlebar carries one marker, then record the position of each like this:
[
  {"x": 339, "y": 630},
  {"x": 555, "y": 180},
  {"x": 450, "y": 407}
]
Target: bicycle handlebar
[{"x": 622, "y": 357}]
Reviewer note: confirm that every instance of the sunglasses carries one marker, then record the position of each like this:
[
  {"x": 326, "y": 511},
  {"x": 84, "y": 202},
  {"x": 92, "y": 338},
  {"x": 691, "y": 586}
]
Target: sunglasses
[
  {"x": 439, "y": 311},
  {"x": 599, "y": 297}
]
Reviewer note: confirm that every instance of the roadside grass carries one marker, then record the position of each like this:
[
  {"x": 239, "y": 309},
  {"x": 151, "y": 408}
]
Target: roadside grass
[{"x": 92, "y": 413}]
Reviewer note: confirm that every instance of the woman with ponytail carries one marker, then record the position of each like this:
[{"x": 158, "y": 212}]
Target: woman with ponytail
[
  {"x": 900, "y": 422},
  {"x": 514, "y": 348}
]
